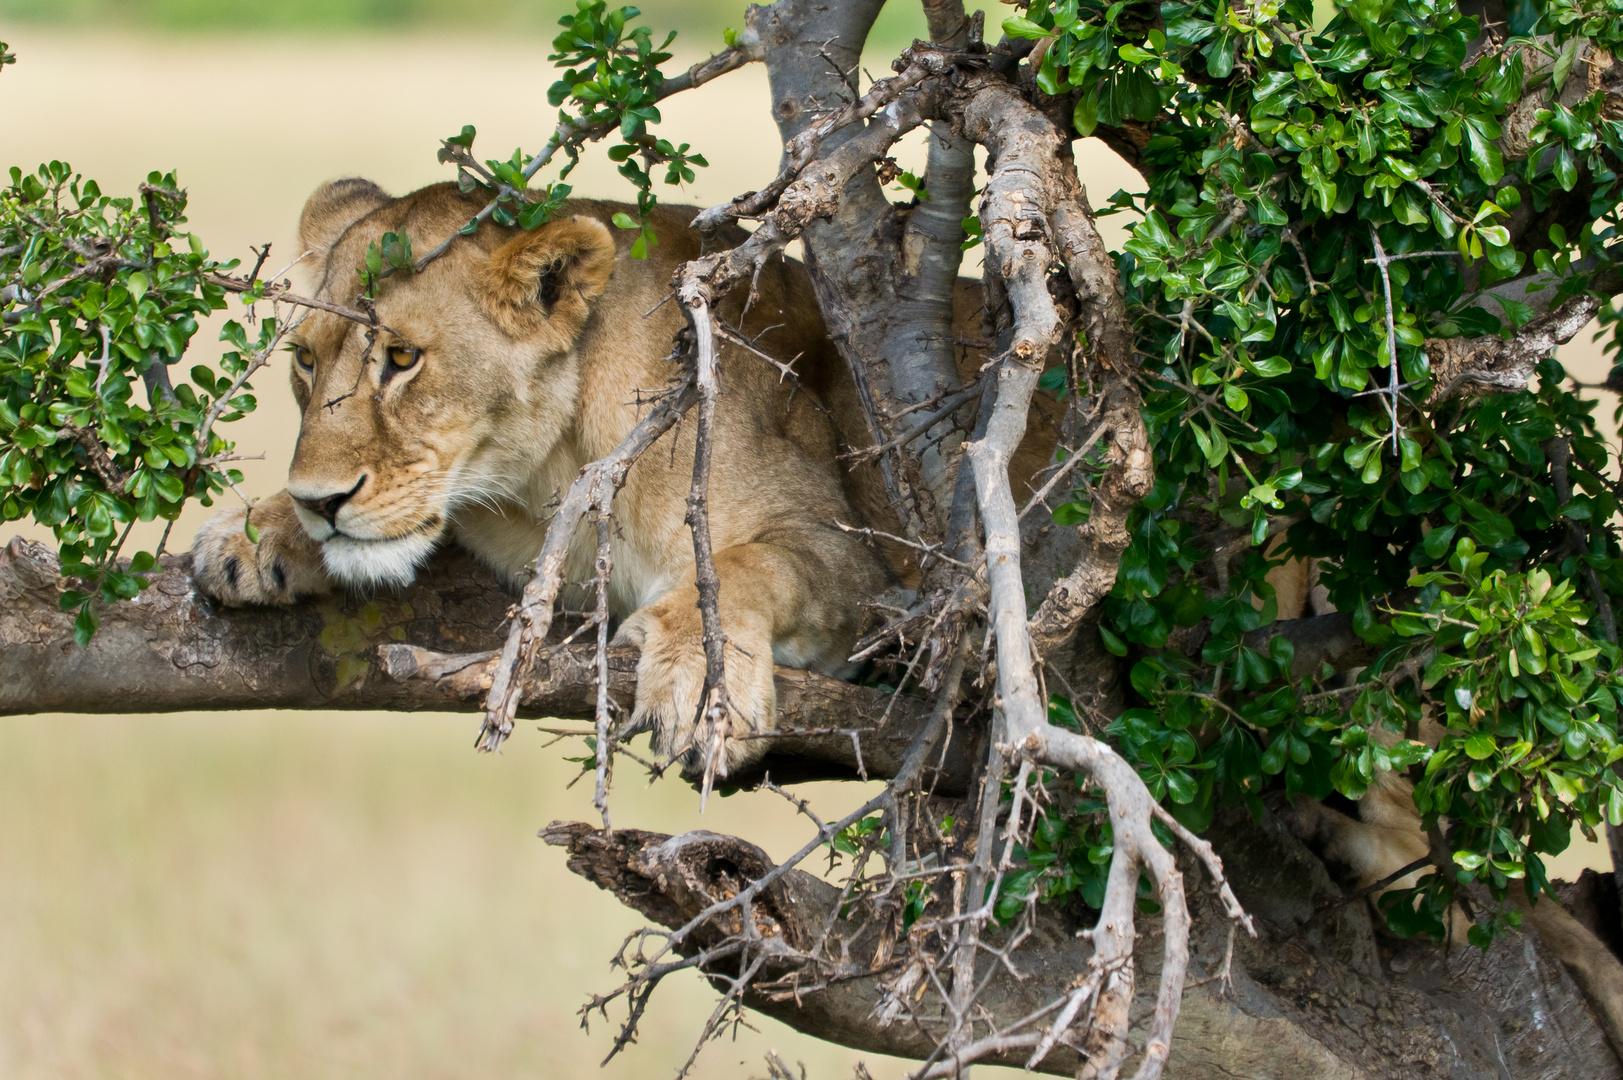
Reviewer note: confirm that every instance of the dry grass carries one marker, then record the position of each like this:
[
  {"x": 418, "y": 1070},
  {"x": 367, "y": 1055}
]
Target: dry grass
[
  {"x": 328, "y": 895},
  {"x": 317, "y": 896}
]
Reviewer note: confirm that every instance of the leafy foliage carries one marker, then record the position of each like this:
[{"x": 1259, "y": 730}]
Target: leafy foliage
[
  {"x": 1289, "y": 163},
  {"x": 98, "y": 295},
  {"x": 611, "y": 78}
]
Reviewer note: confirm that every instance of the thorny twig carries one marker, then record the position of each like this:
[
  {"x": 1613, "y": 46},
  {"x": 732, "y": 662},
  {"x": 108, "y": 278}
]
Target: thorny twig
[
  {"x": 604, "y": 747},
  {"x": 261, "y": 357},
  {"x": 714, "y": 717},
  {"x": 284, "y": 294},
  {"x": 1383, "y": 261},
  {"x": 594, "y": 489}
]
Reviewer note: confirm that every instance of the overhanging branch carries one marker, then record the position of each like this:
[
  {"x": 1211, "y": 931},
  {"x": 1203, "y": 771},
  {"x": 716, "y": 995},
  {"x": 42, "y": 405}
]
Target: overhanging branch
[{"x": 1465, "y": 367}]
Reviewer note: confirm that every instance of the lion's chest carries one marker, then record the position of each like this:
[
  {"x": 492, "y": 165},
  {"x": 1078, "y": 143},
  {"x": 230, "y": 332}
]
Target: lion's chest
[{"x": 647, "y": 556}]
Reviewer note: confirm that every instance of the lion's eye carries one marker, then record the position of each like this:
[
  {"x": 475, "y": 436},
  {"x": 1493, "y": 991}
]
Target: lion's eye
[
  {"x": 304, "y": 357},
  {"x": 401, "y": 358}
]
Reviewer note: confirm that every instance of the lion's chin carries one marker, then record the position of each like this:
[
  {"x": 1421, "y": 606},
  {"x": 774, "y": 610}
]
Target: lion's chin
[{"x": 376, "y": 562}]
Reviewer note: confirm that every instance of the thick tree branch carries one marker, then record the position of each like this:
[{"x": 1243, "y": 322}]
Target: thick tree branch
[
  {"x": 428, "y": 647},
  {"x": 1465, "y": 367},
  {"x": 1309, "y": 996}
]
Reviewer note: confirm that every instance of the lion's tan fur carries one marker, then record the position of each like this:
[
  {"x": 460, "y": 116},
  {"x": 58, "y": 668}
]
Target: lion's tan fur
[{"x": 534, "y": 347}]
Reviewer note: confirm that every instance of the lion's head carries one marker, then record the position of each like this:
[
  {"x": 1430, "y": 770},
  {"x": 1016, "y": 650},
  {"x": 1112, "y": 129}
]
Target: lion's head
[{"x": 470, "y": 381}]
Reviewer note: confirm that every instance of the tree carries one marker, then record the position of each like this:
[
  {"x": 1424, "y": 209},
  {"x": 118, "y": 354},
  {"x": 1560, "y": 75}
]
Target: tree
[{"x": 1092, "y": 696}]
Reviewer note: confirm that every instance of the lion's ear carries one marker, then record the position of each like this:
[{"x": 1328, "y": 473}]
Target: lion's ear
[
  {"x": 543, "y": 282},
  {"x": 334, "y": 207}
]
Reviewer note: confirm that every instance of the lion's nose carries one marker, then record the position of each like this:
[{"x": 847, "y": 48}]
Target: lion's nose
[{"x": 327, "y": 505}]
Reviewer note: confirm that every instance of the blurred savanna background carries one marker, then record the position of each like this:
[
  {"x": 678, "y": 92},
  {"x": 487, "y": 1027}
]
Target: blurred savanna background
[{"x": 337, "y": 895}]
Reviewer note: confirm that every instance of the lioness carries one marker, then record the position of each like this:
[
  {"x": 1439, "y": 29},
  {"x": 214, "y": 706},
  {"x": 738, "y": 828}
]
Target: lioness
[{"x": 512, "y": 361}]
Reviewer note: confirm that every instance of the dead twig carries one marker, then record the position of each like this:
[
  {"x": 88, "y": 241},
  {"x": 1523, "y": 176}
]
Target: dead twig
[
  {"x": 594, "y": 489},
  {"x": 714, "y": 717}
]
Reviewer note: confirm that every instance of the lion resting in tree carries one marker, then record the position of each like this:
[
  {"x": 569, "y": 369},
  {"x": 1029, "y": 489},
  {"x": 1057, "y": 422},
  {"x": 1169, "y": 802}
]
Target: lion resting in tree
[
  {"x": 516, "y": 358},
  {"x": 508, "y": 364}
]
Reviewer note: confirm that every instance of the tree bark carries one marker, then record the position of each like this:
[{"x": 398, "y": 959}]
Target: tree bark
[
  {"x": 1317, "y": 996},
  {"x": 428, "y": 647}
]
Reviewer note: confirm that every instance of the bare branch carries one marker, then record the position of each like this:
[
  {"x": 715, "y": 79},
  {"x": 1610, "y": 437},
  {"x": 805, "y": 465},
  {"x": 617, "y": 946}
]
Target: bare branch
[
  {"x": 604, "y": 706},
  {"x": 284, "y": 294},
  {"x": 100, "y": 460},
  {"x": 714, "y": 717},
  {"x": 915, "y": 66}
]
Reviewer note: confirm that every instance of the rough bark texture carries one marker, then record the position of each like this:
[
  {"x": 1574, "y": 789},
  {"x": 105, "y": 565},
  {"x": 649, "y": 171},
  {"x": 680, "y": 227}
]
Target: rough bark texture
[
  {"x": 428, "y": 647},
  {"x": 1465, "y": 367},
  {"x": 1319, "y": 994},
  {"x": 1314, "y": 996}
]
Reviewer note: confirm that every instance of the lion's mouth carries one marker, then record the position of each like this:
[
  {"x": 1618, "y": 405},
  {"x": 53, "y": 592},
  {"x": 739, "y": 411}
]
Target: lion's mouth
[
  {"x": 391, "y": 560},
  {"x": 430, "y": 524}
]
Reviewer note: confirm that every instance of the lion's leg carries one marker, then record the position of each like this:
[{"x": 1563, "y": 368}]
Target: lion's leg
[
  {"x": 774, "y": 601},
  {"x": 1367, "y": 851},
  {"x": 282, "y": 566}
]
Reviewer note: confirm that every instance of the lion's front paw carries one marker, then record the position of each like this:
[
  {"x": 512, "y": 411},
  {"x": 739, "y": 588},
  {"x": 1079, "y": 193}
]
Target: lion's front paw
[
  {"x": 670, "y": 680},
  {"x": 284, "y": 565}
]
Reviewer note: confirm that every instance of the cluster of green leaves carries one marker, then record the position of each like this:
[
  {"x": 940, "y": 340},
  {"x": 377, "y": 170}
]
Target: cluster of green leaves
[
  {"x": 611, "y": 75},
  {"x": 1067, "y": 854},
  {"x": 513, "y": 201},
  {"x": 870, "y": 833},
  {"x": 1284, "y": 158},
  {"x": 1528, "y": 701},
  {"x": 611, "y": 80},
  {"x": 99, "y": 295}
]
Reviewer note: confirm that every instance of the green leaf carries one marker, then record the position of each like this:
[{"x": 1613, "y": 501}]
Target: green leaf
[
  {"x": 1484, "y": 154},
  {"x": 1071, "y": 513},
  {"x": 84, "y": 625},
  {"x": 1019, "y": 27},
  {"x": 1563, "y": 64},
  {"x": 1566, "y": 169},
  {"x": 1085, "y": 117},
  {"x": 1273, "y": 759}
]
